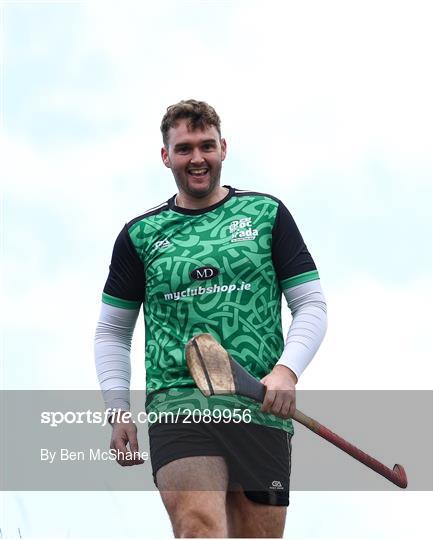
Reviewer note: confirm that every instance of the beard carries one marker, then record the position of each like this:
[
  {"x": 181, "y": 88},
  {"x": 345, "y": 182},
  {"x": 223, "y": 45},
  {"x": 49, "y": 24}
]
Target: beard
[{"x": 184, "y": 183}]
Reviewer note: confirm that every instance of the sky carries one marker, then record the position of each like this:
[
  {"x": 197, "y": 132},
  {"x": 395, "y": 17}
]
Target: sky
[{"x": 324, "y": 104}]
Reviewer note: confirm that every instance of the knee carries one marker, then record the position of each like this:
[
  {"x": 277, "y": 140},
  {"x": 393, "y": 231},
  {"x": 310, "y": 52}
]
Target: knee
[{"x": 196, "y": 523}]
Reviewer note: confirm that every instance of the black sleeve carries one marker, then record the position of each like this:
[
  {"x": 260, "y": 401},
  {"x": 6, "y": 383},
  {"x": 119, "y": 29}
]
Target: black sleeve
[
  {"x": 289, "y": 252},
  {"x": 126, "y": 279}
]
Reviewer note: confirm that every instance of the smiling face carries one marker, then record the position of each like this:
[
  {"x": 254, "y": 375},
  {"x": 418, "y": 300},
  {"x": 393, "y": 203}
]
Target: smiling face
[{"x": 195, "y": 158}]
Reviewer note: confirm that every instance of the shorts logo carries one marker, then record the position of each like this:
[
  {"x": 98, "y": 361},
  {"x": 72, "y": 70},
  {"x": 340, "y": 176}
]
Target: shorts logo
[
  {"x": 242, "y": 229},
  {"x": 204, "y": 272},
  {"x": 276, "y": 484}
]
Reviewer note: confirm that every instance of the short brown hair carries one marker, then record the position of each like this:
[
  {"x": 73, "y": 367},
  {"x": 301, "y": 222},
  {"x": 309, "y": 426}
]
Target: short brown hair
[{"x": 199, "y": 113}]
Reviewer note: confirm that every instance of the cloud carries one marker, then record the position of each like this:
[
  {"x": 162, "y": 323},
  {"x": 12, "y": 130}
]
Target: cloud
[
  {"x": 330, "y": 117},
  {"x": 325, "y": 104},
  {"x": 378, "y": 337}
]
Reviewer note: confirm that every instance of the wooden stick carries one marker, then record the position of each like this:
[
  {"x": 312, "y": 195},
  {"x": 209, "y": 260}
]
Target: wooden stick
[
  {"x": 397, "y": 475},
  {"x": 216, "y": 372}
]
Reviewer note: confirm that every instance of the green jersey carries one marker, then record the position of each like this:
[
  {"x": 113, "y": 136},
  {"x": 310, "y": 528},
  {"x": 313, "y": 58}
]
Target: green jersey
[{"x": 219, "y": 270}]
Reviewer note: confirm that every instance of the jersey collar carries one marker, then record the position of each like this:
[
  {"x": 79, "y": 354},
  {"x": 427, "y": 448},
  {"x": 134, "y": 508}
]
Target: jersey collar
[{"x": 195, "y": 212}]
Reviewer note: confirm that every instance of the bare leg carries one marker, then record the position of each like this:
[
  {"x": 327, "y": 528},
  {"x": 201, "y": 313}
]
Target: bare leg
[
  {"x": 248, "y": 519},
  {"x": 193, "y": 490}
]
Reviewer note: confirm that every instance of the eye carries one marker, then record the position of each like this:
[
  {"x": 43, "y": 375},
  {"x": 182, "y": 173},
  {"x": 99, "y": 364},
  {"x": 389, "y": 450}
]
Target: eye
[
  {"x": 208, "y": 146},
  {"x": 182, "y": 149}
]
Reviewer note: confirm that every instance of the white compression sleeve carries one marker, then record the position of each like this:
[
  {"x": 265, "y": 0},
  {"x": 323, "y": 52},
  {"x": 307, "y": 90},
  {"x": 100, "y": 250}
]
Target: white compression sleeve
[
  {"x": 308, "y": 328},
  {"x": 112, "y": 354}
]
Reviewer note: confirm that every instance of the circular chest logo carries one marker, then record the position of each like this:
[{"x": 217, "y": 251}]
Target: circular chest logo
[{"x": 204, "y": 272}]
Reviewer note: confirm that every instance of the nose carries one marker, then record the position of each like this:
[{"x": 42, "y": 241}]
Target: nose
[{"x": 196, "y": 157}]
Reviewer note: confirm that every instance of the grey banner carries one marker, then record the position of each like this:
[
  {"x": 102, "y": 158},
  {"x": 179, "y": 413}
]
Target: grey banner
[{"x": 392, "y": 426}]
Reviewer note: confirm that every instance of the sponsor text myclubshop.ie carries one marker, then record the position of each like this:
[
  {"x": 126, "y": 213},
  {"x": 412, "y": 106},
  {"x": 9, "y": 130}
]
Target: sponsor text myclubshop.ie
[{"x": 212, "y": 289}]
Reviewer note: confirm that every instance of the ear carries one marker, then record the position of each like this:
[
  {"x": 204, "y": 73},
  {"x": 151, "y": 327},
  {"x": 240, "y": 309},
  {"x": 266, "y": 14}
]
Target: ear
[
  {"x": 223, "y": 149},
  {"x": 165, "y": 158}
]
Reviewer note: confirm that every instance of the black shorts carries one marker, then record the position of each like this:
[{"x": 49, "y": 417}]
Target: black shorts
[{"x": 258, "y": 457}]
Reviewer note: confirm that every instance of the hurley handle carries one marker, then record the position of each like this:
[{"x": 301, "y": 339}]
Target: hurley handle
[
  {"x": 247, "y": 385},
  {"x": 396, "y": 475}
]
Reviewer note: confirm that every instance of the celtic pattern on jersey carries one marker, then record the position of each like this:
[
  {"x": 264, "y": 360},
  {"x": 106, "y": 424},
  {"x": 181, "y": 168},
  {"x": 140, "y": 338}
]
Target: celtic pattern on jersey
[
  {"x": 240, "y": 307},
  {"x": 179, "y": 400}
]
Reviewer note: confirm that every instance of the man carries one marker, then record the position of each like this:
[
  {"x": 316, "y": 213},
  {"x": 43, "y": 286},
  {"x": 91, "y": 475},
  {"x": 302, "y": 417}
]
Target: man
[{"x": 211, "y": 259}]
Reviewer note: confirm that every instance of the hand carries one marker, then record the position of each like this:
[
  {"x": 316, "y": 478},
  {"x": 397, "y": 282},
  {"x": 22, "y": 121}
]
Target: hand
[
  {"x": 124, "y": 432},
  {"x": 280, "y": 397}
]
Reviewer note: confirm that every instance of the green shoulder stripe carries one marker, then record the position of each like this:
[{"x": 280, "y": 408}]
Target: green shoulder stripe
[
  {"x": 118, "y": 302},
  {"x": 297, "y": 280}
]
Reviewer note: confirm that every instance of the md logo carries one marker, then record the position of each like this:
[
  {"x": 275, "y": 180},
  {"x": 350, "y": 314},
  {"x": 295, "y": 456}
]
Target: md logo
[{"x": 204, "y": 272}]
